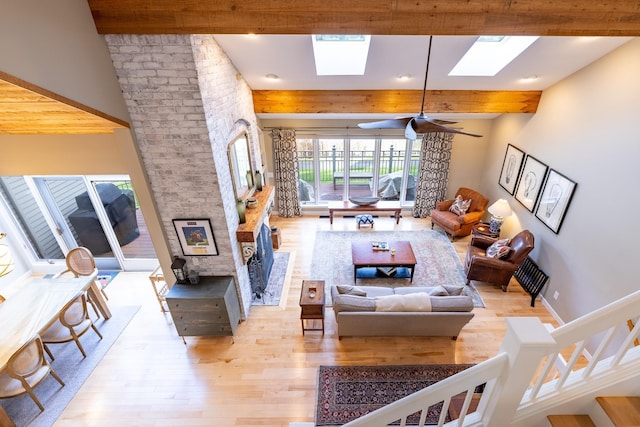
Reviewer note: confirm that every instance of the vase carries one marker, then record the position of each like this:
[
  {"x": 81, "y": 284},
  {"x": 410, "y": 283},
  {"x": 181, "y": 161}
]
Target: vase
[
  {"x": 249, "y": 179},
  {"x": 258, "y": 181},
  {"x": 240, "y": 206}
]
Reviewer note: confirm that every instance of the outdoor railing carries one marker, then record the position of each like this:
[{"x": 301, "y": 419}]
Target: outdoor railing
[
  {"x": 331, "y": 161},
  {"x": 529, "y": 376}
]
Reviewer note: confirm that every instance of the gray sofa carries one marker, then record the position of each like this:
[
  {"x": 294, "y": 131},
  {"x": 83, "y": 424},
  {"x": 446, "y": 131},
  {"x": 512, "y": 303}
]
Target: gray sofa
[{"x": 445, "y": 315}]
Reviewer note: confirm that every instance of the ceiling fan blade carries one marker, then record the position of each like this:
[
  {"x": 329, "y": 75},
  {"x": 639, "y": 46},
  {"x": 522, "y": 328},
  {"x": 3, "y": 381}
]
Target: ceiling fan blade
[
  {"x": 400, "y": 123},
  {"x": 409, "y": 132},
  {"x": 427, "y": 125},
  {"x": 443, "y": 122}
]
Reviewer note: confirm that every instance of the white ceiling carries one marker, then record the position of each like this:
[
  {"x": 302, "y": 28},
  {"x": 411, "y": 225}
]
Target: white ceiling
[{"x": 291, "y": 58}]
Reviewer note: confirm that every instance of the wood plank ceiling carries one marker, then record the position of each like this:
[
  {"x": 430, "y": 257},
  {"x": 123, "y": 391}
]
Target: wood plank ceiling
[{"x": 28, "y": 109}]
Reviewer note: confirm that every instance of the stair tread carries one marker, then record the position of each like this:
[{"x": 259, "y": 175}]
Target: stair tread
[
  {"x": 570, "y": 421},
  {"x": 622, "y": 410}
]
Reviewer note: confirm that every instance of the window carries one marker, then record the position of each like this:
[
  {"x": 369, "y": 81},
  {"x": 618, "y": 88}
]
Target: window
[{"x": 339, "y": 167}]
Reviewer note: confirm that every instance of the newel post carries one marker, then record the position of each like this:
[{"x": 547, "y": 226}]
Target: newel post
[{"x": 526, "y": 342}]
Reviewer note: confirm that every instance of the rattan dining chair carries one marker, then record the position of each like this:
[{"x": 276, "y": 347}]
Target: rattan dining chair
[
  {"x": 72, "y": 323},
  {"x": 80, "y": 262},
  {"x": 25, "y": 370}
]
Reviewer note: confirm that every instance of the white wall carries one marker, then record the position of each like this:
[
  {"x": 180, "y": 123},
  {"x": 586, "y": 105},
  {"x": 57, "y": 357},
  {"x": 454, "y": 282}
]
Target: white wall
[
  {"x": 54, "y": 45},
  {"x": 587, "y": 128}
]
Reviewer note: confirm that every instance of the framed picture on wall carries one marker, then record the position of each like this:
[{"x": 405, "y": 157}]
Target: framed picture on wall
[
  {"x": 530, "y": 183},
  {"x": 511, "y": 166},
  {"x": 196, "y": 237},
  {"x": 556, "y": 195}
]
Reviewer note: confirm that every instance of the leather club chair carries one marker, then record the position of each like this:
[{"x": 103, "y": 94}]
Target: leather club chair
[
  {"x": 460, "y": 225},
  {"x": 493, "y": 270}
]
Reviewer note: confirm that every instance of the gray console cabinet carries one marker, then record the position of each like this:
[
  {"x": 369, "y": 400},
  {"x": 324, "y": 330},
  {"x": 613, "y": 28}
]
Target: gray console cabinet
[{"x": 210, "y": 307}]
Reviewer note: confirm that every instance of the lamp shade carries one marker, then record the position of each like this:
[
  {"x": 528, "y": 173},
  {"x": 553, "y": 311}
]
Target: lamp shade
[{"x": 500, "y": 208}]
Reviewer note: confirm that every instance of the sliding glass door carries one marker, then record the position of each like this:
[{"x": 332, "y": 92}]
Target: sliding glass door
[{"x": 58, "y": 213}]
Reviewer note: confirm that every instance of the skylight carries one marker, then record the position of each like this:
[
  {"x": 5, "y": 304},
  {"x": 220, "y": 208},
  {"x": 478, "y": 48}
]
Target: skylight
[
  {"x": 340, "y": 55},
  {"x": 490, "y": 54}
]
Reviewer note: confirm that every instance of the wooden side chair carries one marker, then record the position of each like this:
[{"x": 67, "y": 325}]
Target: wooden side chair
[
  {"x": 80, "y": 262},
  {"x": 25, "y": 370},
  {"x": 73, "y": 322}
]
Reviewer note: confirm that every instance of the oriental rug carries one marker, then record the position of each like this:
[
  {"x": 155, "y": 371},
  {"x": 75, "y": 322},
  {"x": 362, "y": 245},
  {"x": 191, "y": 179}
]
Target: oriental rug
[
  {"x": 349, "y": 392},
  {"x": 438, "y": 262}
]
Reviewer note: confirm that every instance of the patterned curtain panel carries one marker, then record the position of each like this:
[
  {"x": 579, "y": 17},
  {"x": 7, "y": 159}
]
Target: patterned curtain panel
[
  {"x": 434, "y": 172},
  {"x": 286, "y": 172}
]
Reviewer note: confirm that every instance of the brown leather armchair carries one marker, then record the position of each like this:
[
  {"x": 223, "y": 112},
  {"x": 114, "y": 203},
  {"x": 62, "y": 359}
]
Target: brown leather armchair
[
  {"x": 460, "y": 225},
  {"x": 493, "y": 270}
]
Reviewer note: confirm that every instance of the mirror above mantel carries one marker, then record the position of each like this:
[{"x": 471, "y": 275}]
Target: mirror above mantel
[{"x": 241, "y": 167}]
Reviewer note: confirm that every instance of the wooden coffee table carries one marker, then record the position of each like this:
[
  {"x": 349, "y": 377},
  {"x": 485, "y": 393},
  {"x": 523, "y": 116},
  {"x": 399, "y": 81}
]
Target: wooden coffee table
[{"x": 363, "y": 256}]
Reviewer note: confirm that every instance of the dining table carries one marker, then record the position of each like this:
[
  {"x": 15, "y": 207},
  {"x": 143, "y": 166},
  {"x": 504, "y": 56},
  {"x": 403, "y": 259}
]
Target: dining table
[{"x": 34, "y": 306}]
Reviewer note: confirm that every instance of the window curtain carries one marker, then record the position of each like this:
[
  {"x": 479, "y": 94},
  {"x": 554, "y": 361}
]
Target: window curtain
[
  {"x": 286, "y": 172},
  {"x": 434, "y": 172}
]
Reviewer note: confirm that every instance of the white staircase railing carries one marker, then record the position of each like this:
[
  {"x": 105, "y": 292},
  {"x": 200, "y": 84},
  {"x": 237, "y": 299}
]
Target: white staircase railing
[{"x": 536, "y": 370}]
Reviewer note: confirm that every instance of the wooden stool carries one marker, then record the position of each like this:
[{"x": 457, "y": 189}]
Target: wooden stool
[{"x": 364, "y": 220}]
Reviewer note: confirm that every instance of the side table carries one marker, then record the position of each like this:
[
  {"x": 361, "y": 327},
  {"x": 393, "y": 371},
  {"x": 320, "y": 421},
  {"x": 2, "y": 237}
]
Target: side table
[
  {"x": 312, "y": 306},
  {"x": 482, "y": 229}
]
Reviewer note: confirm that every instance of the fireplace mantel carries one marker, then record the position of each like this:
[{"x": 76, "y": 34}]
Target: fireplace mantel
[{"x": 247, "y": 233}]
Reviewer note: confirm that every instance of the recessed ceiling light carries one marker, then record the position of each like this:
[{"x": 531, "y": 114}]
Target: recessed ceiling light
[
  {"x": 272, "y": 76},
  {"x": 404, "y": 76},
  {"x": 530, "y": 78}
]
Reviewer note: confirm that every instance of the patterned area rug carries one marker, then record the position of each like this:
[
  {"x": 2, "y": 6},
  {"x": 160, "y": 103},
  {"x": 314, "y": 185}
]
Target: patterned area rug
[
  {"x": 438, "y": 262},
  {"x": 105, "y": 277},
  {"x": 349, "y": 392}
]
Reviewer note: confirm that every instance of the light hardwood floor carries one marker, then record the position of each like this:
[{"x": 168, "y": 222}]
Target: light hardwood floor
[{"x": 266, "y": 375}]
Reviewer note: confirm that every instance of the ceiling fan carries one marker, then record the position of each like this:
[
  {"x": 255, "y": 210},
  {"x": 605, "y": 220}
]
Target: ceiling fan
[{"x": 420, "y": 123}]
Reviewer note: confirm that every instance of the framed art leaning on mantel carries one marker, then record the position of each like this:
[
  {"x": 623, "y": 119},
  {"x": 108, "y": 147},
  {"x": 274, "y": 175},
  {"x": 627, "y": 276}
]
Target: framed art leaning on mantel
[
  {"x": 556, "y": 195},
  {"x": 511, "y": 166},
  {"x": 533, "y": 173},
  {"x": 196, "y": 237}
]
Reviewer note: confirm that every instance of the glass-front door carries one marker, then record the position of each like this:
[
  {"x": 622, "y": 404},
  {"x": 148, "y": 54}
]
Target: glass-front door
[{"x": 101, "y": 213}]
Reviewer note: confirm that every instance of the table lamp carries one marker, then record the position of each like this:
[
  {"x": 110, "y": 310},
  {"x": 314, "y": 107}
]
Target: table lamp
[{"x": 499, "y": 210}]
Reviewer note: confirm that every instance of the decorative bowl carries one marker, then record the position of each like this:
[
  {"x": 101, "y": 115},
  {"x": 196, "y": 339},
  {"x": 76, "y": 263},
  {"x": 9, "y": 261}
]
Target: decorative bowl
[
  {"x": 252, "y": 202},
  {"x": 364, "y": 201}
]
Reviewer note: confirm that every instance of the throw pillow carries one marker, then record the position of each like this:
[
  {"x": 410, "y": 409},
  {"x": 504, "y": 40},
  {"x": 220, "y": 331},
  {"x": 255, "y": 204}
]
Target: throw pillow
[
  {"x": 439, "y": 291},
  {"x": 453, "y": 290},
  {"x": 499, "y": 249},
  {"x": 351, "y": 290},
  {"x": 459, "y": 206}
]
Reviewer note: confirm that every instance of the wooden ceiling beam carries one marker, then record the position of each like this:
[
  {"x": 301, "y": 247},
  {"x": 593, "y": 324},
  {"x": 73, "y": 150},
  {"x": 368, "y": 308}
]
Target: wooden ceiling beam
[
  {"x": 399, "y": 17},
  {"x": 393, "y": 101}
]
